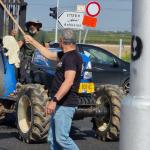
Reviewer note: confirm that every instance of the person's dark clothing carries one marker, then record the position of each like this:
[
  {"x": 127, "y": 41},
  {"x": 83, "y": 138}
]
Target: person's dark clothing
[
  {"x": 69, "y": 61},
  {"x": 26, "y": 54}
]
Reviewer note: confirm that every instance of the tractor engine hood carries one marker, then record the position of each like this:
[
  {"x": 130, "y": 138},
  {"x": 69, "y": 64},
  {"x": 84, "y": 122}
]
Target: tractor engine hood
[{"x": 7, "y": 76}]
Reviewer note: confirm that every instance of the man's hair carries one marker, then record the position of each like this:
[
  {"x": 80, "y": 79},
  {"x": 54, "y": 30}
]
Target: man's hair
[{"x": 69, "y": 36}]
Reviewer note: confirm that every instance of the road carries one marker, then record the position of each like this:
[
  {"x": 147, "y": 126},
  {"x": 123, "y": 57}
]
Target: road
[{"x": 81, "y": 133}]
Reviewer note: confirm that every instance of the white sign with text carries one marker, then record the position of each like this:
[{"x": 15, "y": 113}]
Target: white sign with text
[{"x": 72, "y": 20}]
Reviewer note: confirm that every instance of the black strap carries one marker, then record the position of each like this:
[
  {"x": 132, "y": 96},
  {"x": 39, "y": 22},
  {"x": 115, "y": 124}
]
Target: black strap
[{"x": 1, "y": 74}]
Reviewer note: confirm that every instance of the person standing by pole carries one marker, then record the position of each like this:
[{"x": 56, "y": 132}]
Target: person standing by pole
[{"x": 64, "y": 97}]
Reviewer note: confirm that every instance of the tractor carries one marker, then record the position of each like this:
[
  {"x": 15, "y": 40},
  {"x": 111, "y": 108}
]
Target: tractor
[{"x": 27, "y": 100}]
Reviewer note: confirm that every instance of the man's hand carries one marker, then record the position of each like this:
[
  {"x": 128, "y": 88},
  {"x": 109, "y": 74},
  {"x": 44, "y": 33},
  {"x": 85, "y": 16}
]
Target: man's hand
[
  {"x": 28, "y": 39},
  {"x": 50, "y": 107},
  {"x": 13, "y": 33},
  {"x": 43, "y": 50}
]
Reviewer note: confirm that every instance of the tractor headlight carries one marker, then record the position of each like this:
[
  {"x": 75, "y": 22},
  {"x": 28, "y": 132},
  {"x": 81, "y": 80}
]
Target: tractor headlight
[{"x": 88, "y": 74}]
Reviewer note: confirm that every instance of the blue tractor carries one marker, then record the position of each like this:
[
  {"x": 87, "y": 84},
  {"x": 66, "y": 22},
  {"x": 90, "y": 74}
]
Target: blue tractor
[{"x": 28, "y": 99}]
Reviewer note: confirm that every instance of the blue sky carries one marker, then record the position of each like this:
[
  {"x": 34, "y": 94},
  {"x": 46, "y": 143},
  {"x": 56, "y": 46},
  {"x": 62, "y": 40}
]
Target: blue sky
[{"x": 115, "y": 14}]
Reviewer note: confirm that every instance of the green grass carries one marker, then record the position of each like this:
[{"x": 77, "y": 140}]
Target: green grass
[
  {"x": 108, "y": 37},
  {"x": 126, "y": 57},
  {"x": 51, "y": 35},
  {"x": 102, "y": 37}
]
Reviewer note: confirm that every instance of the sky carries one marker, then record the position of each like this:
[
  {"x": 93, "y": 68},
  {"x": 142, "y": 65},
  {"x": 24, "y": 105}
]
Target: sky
[{"x": 115, "y": 15}]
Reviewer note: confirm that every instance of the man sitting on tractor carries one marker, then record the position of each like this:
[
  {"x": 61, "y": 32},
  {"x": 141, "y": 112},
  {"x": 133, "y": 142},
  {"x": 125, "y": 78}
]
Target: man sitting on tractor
[{"x": 33, "y": 29}]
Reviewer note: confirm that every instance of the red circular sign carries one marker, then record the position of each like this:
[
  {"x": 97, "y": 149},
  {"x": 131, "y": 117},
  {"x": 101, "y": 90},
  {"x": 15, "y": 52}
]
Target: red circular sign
[{"x": 93, "y": 9}]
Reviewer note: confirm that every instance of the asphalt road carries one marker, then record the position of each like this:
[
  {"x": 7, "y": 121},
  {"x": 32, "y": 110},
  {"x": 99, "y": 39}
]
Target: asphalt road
[{"x": 81, "y": 133}]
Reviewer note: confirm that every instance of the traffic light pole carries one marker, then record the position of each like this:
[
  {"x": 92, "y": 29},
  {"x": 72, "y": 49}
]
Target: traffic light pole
[
  {"x": 56, "y": 30},
  {"x": 135, "y": 113}
]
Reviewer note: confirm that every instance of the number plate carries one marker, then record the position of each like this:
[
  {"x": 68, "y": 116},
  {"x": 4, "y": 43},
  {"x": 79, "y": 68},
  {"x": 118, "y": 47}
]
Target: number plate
[{"x": 86, "y": 88}]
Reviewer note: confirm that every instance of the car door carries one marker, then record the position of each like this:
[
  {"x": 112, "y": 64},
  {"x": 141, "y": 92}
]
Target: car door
[{"x": 106, "y": 68}]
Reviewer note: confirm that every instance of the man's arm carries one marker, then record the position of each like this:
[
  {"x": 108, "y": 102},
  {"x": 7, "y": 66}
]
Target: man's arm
[
  {"x": 43, "y": 50},
  {"x": 63, "y": 90},
  {"x": 46, "y": 45},
  {"x": 66, "y": 85}
]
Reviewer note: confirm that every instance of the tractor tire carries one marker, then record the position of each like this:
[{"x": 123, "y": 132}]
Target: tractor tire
[
  {"x": 31, "y": 122},
  {"x": 2, "y": 114},
  {"x": 126, "y": 86},
  {"x": 108, "y": 127},
  {"x": 86, "y": 99}
]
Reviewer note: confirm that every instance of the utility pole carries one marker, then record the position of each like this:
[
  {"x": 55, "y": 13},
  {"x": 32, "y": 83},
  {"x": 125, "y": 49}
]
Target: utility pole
[
  {"x": 85, "y": 36},
  {"x": 135, "y": 113},
  {"x": 80, "y": 34},
  {"x": 120, "y": 48},
  {"x": 54, "y": 14},
  {"x": 56, "y": 32}
]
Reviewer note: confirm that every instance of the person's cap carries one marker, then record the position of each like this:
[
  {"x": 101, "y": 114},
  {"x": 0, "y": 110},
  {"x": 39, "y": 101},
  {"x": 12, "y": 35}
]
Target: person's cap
[
  {"x": 33, "y": 21},
  {"x": 69, "y": 36}
]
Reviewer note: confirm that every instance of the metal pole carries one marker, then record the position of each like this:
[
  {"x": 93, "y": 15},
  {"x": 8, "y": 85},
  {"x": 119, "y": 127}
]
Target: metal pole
[
  {"x": 22, "y": 14},
  {"x": 84, "y": 40},
  {"x": 135, "y": 113},
  {"x": 80, "y": 36},
  {"x": 10, "y": 15},
  {"x": 56, "y": 30},
  {"x": 2, "y": 21},
  {"x": 10, "y": 24},
  {"x": 120, "y": 49}
]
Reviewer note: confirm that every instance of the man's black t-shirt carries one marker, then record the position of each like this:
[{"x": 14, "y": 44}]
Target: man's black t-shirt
[{"x": 69, "y": 61}]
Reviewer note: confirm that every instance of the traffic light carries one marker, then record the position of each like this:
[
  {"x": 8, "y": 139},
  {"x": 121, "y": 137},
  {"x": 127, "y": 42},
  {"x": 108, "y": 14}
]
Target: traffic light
[{"x": 53, "y": 12}]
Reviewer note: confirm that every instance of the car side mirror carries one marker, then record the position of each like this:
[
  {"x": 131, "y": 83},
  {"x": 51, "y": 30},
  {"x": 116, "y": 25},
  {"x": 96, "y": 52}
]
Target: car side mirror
[{"x": 115, "y": 63}]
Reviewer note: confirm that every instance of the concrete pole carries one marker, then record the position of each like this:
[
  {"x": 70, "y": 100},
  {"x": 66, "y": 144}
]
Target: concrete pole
[{"x": 135, "y": 113}]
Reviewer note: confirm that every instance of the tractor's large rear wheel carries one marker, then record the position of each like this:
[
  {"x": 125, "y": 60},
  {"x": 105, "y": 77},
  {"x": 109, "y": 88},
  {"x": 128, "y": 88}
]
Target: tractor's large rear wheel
[
  {"x": 109, "y": 97},
  {"x": 2, "y": 114},
  {"x": 32, "y": 123}
]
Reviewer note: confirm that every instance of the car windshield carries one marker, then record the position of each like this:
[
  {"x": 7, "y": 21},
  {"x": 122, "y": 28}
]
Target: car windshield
[{"x": 98, "y": 56}]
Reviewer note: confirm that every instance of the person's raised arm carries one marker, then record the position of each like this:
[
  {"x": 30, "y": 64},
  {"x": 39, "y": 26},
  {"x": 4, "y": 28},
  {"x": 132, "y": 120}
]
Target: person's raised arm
[{"x": 43, "y": 50}]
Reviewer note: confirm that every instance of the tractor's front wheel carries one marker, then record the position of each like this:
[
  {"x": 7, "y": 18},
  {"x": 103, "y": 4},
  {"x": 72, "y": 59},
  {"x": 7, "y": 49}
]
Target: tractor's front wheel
[{"x": 32, "y": 123}]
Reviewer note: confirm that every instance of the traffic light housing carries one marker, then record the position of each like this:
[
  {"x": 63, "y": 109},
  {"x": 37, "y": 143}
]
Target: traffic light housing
[{"x": 53, "y": 12}]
